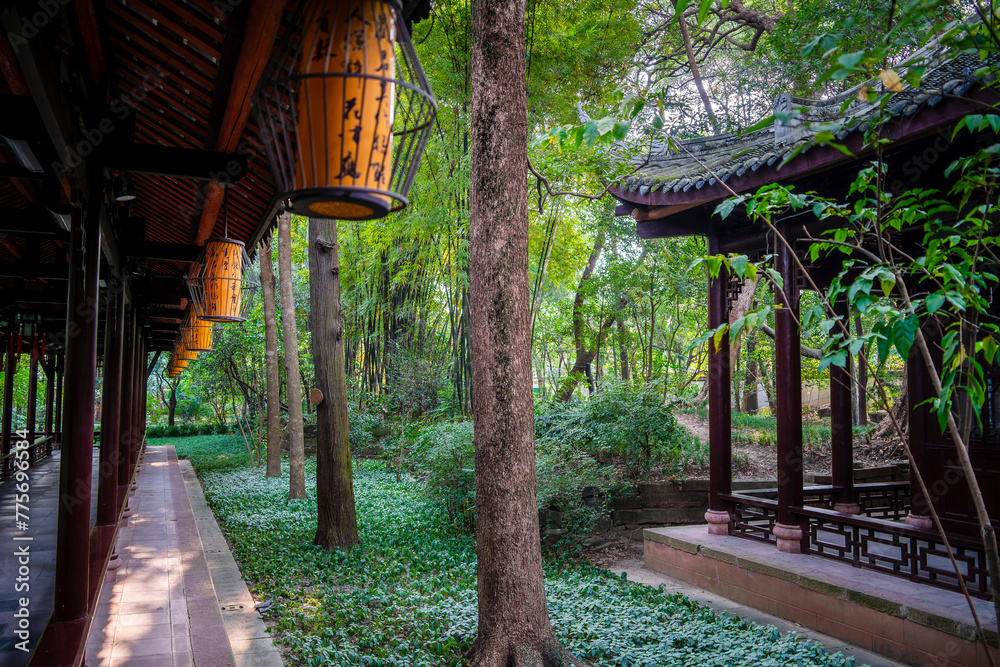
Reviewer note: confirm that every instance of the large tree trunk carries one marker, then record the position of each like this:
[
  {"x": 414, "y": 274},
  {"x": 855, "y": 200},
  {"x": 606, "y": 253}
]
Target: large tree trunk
[
  {"x": 514, "y": 626},
  {"x": 296, "y": 443},
  {"x": 271, "y": 363},
  {"x": 337, "y": 520}
]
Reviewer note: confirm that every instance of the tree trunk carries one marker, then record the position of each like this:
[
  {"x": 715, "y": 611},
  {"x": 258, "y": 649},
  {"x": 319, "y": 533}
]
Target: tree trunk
[
  {"x": 514, "y": 626},
  {"x": 271, "y": 363},
  {"x": 172, "y": 404},
  {"x": 861, "y": 393},
  {"x": 337, "y": 520},
  {"x": 296, "y": 443},
  {"x": 623, "y": 352},
  {"x": 695, "y": 73}
]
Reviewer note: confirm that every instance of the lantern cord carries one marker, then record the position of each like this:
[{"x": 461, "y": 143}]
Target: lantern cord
[{"x": 225, "y": 213}]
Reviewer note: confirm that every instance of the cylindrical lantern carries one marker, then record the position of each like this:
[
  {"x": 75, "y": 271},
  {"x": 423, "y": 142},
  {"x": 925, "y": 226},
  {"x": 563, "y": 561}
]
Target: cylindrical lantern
[
  {"x": 182, "y": 353},
  {"x": 345, "y": 110},
  {"x": 223, "y": 284},
  {"x": 196, "y": 332}
]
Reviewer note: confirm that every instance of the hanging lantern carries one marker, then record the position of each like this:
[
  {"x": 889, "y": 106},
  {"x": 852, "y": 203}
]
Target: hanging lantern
[
  {"x": 223, "y": 283},
  {"x": 196, "y": 332},
  {"x": 181, "y": 352},
  {"x": 345, "y": 110}
]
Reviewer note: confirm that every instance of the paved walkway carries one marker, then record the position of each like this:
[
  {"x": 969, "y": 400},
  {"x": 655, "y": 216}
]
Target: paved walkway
[{"x": 161, "y": 608}]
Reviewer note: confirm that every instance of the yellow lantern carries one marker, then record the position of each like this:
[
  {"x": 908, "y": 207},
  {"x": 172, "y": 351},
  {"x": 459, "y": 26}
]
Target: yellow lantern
[
  {"x": 222, "y": 285},
  {"x": 345, "y": 110},
  {"x": 196, "y": 332},
  {"x": 182, "y": 353}
]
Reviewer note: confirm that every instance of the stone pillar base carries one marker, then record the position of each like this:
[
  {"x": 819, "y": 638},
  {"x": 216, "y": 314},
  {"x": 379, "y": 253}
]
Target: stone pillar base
[
  {"x": 115, "y": 562},
  {"x": 127, "y": 512},
  {"x": 789, "y": 538},
  {"x": 718, "y": 522},
  {"x": 847, "y": 508},
  {"x": 919, "y": 521}
]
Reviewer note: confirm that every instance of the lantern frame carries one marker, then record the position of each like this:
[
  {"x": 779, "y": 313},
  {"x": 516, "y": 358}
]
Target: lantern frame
[
  {"x": 278, "y": 116},
  {"x": 198, "y": 283}
]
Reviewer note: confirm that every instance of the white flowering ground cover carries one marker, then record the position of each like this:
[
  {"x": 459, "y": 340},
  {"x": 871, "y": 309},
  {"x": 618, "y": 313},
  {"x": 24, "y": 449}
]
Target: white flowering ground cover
[{"x": 406, "y": 595}]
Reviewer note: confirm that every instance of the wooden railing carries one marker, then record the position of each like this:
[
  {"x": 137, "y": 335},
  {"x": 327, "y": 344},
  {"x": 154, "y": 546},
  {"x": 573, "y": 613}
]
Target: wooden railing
[
  {"x": 40, "y": 449},
  {"x": 877, "y": 539}
]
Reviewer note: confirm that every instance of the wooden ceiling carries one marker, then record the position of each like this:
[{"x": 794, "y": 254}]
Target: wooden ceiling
[{"x": 160, "y": 90}]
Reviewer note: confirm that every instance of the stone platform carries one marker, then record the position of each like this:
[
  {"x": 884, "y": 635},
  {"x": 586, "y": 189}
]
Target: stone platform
[{"x": 904, "y": 621}]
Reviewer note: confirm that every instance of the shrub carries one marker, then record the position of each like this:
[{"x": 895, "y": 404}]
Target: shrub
[
  {"x": 364, "y": 428},
  {"x": 172, "y": 431},
  {"x": 622, "y": 423},
  {"x": 444, "y": 455},
  {"x": 563, "y": 475}
]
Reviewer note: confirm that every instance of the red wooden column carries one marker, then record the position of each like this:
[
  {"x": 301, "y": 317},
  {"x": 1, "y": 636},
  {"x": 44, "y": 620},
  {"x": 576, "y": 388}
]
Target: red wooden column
[
  {"x": 841, "y": 429},
  {"x": 107, "y": 490},
  {"x": 57, "y": 411},
  {"x": 125, "y": 414},
  {"x": 788, "y": 386},
  {"x": 917, "y": 392},
  {"x": 10, "y": 369},
  {"x": 32, "y": 412},
  {"x": 720, "y": 433},
  {"x": 50, "y": 387},
  {"x": 73, "y": 537}
]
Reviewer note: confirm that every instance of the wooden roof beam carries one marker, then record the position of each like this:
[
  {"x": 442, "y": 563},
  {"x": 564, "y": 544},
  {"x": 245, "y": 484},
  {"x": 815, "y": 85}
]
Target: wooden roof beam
[
  {"x": 178, "y": 162},
  {"x": 262, "y": 23}
]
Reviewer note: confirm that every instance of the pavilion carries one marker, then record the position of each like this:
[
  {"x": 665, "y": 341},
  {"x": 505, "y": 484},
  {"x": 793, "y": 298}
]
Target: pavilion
[{"x": 881, "y": 527}]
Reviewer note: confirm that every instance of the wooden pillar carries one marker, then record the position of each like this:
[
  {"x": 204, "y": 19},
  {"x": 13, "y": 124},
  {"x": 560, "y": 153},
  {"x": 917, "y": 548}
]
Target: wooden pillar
[
  {"x": 50, "y": 387},
  {"x": 917, "y": 392},
  {"x": 125, "y": 428},
  {"x": 841, "y": 429},
  {"x": 107, "y": 490},
  {"x": 788, "y": 386},
  {"x": 73, "y": 536},
  {"x": 719, "y": 403},
  {"x": 57, "y": 410},
  {"x": 32, "y": 416},
  {"x": 10, "y": 369}
]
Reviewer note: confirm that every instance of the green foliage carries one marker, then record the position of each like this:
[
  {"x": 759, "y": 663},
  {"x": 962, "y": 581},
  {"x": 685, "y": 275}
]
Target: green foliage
[
  {"x": 443, "y": 455},
  {"x": 407, "y": 594},
  {"x": 181, "y": 430},
  {"x": 625, "y": 424}
]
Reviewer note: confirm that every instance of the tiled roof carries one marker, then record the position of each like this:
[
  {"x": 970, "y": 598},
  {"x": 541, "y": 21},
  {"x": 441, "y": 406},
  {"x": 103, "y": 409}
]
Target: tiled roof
[{"x": 728, "y": 155}]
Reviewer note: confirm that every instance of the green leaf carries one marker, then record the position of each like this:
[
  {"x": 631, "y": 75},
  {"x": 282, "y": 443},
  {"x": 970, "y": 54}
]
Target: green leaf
[
  {"x": 739, "y": 264},
  {"x": 851, "y": 60},
  {"x": 657, "y": 122},
  {"x": 887, "y": 285},
  {"x": 680, "y": 7},
  {"x": 590, "y": 132},
  {"x": 904, "y": 331},
  {"x": 620, "y": 130},
  {"x": 933, "y": 302},
  {"x": 605, "y": 125},
  {"x": 703, "y": 9}
]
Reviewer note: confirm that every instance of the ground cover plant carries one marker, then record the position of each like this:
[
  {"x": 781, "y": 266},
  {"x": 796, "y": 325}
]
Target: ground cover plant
[{"x": 406, "y": 595}]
